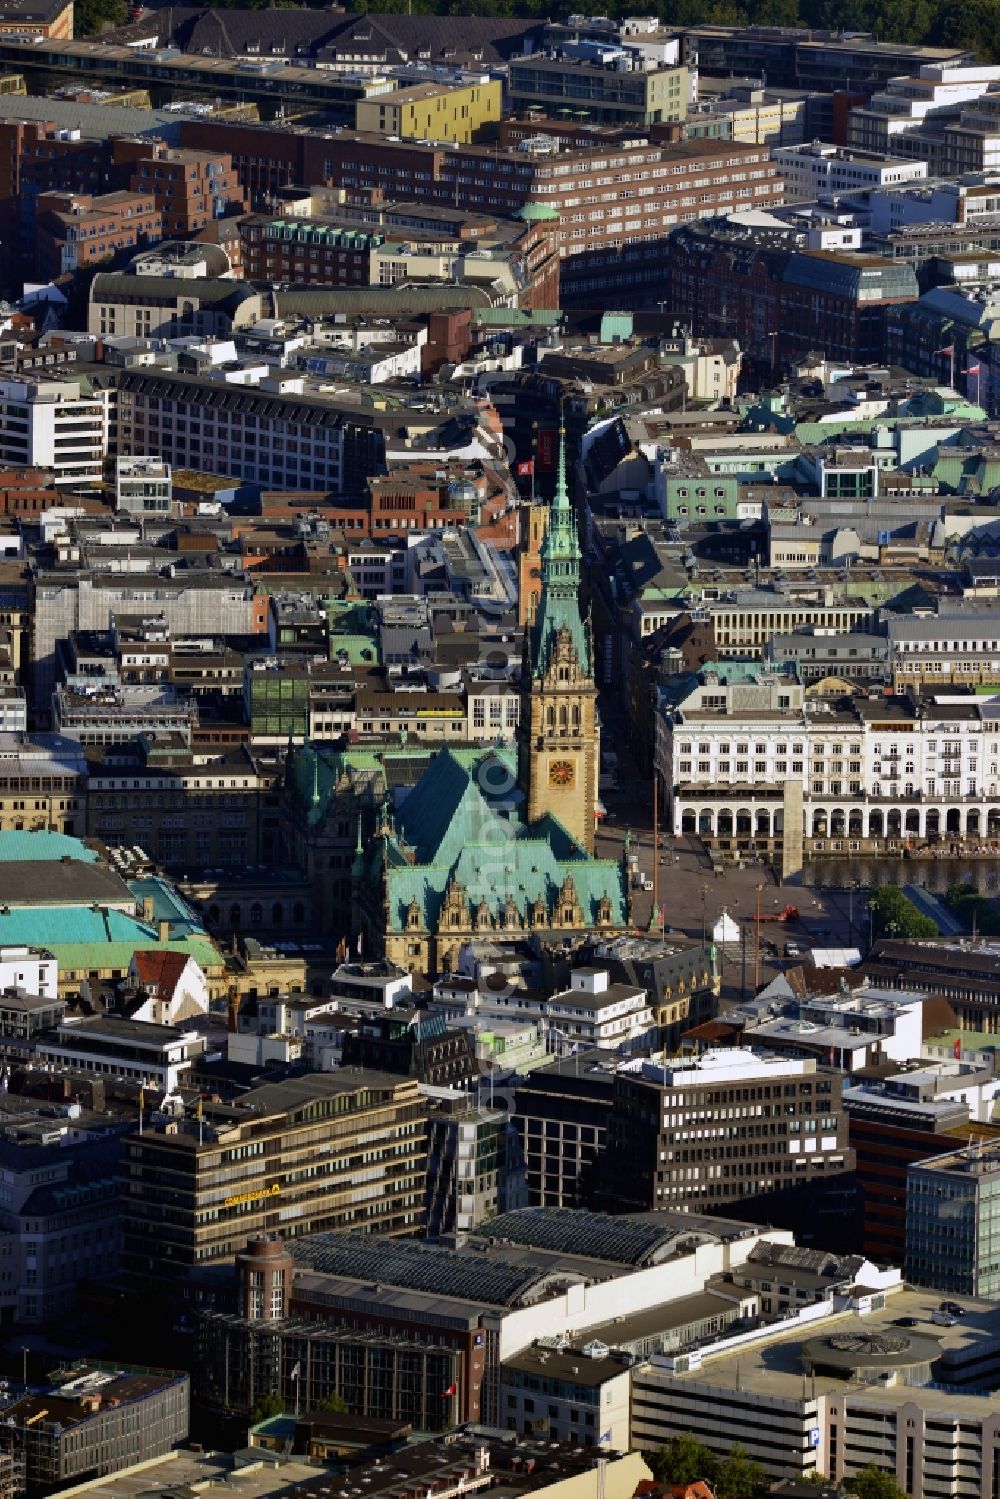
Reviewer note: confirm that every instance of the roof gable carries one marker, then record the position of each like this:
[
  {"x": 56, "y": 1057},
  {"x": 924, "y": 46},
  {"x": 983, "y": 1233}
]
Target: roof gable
[
  {"x": 450, "y": 808},
  {"x": 159, "y": 970}
]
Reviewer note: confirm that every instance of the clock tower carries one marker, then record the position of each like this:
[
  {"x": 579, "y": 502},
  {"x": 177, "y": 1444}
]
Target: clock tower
[{"x": 557, "y": 733}]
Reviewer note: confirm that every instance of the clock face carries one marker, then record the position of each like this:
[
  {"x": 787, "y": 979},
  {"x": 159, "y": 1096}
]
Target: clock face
[{"x": 562, "y": 773}]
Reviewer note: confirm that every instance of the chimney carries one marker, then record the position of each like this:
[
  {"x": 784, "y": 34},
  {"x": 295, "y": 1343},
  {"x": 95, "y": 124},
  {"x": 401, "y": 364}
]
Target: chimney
[
  {"x": 147, "y": 909},
  {"x": 233, "y": 1009},
  {"x": 163, "y": 930}
]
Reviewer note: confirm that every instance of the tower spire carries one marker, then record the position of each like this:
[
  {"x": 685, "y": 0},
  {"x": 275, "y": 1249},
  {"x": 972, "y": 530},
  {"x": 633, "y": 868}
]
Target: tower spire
[
  {"x": 560, "y": 502},
  {"x": 557, "y": 735},
  {"x": 561, "y": 544},
  {"x": 559, "y": 604}
]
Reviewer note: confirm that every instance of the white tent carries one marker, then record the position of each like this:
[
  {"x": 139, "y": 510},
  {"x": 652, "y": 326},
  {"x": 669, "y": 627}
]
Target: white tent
[
  {"x": 725, "y": 929},
  {"x": 836, "y": 957}
]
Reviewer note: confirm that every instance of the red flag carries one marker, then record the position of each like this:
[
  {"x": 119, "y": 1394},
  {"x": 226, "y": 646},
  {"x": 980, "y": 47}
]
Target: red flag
[
  {"x": 949, "y": 349},
  {"x": 452, "y": 1389},
  {"x": 972, "y": 370},
  {"x": 526, "y": 468},
  {"x": 956, "y": 1050},
  {"x": 548, "y": 448}
]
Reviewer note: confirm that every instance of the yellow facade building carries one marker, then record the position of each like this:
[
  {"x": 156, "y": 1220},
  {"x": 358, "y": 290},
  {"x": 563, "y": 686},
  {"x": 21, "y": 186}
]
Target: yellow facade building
[{"x": 432, "y": 111}]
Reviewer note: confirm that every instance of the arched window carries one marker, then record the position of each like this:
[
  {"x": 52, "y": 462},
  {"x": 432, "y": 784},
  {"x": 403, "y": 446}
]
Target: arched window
[
  {"x": 576, "y": 715},
  {"x": 256, "y": 914}
]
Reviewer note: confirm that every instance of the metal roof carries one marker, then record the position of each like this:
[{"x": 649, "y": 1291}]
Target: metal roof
[
  {"x": 167, "y": 291},
  {"x": 92, "y": 120},
  {"x": 599, "y": 1236},
  {"x": 81, "y": 937},
  {"x": 25, "y": 847},
  {"x": 383, "y": 301},
  {"x": 417, "y": 1266}
]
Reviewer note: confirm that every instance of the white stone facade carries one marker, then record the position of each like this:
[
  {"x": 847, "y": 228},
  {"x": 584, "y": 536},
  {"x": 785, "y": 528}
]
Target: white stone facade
[{"x": 881, "y": 771}]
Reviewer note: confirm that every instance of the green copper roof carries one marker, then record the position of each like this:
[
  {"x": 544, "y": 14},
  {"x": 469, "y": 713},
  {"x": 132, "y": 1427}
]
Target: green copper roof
[
  {"x": 82, "y": 937},
  {"x": 463, "y": 823},
  {"x": 167, "y": 906},
  {"x": 559, "y": 605},
  {"x": 516, "y": 317},
  {"x": 448, "y": 807},
  {"x": 332, "y": 763},
  {"x": 20, "y": 847}
]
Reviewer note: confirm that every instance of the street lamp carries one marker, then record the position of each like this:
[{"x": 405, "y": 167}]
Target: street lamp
[
  {"x": 854, "y": 885},
  {"x": 756, "y": 960},
  {"x": 704, "y": 928}
]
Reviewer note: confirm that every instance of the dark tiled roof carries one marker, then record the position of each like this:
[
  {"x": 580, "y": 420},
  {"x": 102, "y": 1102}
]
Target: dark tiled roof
[{"x": 298, "y": 32}]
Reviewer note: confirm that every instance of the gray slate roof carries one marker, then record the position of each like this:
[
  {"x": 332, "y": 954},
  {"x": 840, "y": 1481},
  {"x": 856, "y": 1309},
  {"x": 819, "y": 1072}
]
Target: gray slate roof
[
  {"x": 94, "y": 120},
  {"x": 380, "y": 301}
]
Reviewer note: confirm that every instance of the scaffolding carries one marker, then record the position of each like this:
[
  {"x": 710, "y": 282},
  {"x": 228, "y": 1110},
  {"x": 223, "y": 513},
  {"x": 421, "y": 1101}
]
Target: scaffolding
[{"x": 12, "y": 1470}]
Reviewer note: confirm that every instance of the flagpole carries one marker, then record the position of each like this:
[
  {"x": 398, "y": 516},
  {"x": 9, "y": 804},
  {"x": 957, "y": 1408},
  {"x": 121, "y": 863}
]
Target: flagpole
[
  {"x": 951, "y": 366},
  {"x": 534, "y": 454}
]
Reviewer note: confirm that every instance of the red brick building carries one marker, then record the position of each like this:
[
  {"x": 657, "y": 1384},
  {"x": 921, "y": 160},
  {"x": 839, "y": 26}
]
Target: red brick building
[
  {"x": 347, "y": 250},
  {"x": 449, "y": 339},
  {"x": 192, "y": 188},
  {"x": 74, "y": 230},
  {"x": 27, "y": 491},
  {"x": 781, "y": 301},
  {"x": 412, "y": 497},
  {"x": 308, "y": 252},
  {"x": 604, "y": 197}
]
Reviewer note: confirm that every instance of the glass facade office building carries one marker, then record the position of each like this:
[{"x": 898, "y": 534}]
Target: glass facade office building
[{"x": 953, "y": 1222}]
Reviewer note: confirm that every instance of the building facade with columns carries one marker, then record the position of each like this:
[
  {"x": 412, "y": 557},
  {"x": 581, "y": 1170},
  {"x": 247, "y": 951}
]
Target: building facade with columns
[{"x": 878, "y": 774}]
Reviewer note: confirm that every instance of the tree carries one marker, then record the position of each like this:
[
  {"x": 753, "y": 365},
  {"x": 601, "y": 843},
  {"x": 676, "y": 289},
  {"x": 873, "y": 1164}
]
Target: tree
[
  {"x": 93, "y": 15},
  {"x": 875, "y": 1483},
  {"x": 739, "y": 1477},
  {"x": 266, "y": 1407},
  {"x": 975, "y": 24},
  {"x": 817, "y": 1479},
  {"x": 895, "y": 916},
  {"x": 776, "y": 13},
  {"x": 975, "y": 911},
  {"x": 684, "y": 1460},
  {"x": 333, "y": 1404},
  {"x": 900, "y": 20}
]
